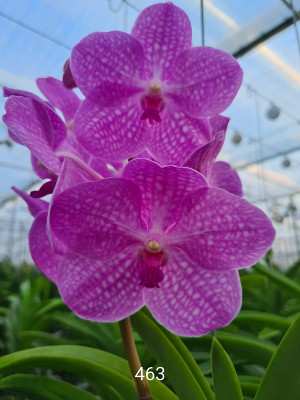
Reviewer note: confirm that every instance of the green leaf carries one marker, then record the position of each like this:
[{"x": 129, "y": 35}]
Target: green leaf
[
  {"x": 176, "y": 369},
  {"x": 248, "y": 281},
  {"x": 92, "y": 364},
  {"x": 40, "y": 385},
  {"x": 189, "y": 359},
  {"x": 261, "y": 320},
  {"x": 226, "y": 382},
  {"x": 281, "y": 379},
  {"x": 253, "y": 350},
  {"x": 38, "y": 338},
  {"x": 279, "y": 278}
]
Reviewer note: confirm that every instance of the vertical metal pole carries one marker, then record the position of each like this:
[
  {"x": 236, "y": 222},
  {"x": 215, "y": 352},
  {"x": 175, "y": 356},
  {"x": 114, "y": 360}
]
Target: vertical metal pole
[{"x": 202, "y": 22}]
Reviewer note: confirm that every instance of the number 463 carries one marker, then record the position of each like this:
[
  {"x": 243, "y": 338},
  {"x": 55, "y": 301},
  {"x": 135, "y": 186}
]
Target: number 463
[{"x": 150, "y": 374}]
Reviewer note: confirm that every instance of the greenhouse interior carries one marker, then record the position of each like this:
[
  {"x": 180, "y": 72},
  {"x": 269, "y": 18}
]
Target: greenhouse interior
[{"x": 82, "y": 317}]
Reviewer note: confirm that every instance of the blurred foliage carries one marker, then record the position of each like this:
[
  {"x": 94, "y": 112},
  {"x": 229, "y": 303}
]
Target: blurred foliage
[{"x": 35, "y": 321}]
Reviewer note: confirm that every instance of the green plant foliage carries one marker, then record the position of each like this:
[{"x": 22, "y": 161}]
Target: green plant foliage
[
  {"x": 225, "y": 380},
  {"x": 92, "y": 364},
  {"x": 282, "y": 377},
  {"x": 32, "y": 314},
  {"x": 44, "y": 387},
  {"x": 177, "y": 371}
]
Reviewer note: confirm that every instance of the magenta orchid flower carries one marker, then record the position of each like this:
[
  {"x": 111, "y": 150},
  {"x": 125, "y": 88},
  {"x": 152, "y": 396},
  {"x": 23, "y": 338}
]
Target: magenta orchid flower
[
  {"x": 34, "y": 123},
  {"x": 46, "y": 250},
  {"x": 218, "y": 174},
  {"x": 148, "y": 89},
  {"x": 160, "y": 237}
]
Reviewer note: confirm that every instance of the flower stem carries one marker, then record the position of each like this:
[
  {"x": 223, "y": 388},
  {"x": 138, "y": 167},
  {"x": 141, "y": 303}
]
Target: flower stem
[{"x": 141, "y": 385}]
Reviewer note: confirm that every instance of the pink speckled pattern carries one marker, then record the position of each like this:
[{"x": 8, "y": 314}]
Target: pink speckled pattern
[
  {"x": 173, "y": 139},
  {"x": 205, "y": 234},
  {"x": 108, "y": 67},
  {"x": 219, "y": 174},
  {"x": 104, "y": 292},
  {"x": 112, "y": 134},
  {"x": 224, "y": 177},
  {"x": 140, "y": 213},
  {"x": 203, "y": 158},
  {"x": 40, "y": 248},
  {"x": 213, "y": 80},
  {"x": 164, "y": 31},
  {"x": 151, "y": 74},
  {"x": 163, "y": 190},
  {"x": 220, "y": 231},
  {"x": 192, "y": 301},
  {"x": 98, "y": 219},
  {"x": 60, "y": 97},
  {"x": 31, "y": 122}
]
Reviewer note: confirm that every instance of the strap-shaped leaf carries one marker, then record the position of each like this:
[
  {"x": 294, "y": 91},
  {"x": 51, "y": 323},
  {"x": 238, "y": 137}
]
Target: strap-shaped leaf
[
  {"x": 226, "y": 382},
  {"x": 252, "y": 350},
  {"x": 47, "y": 388},
  {"x": 282, "y": 377},
  {"x": 280, "y": 279},
  {"x": 261, "y": 320},
  {"x": 176, "y": 369},
  {"x": 90, "y": 363},
  {"x": 188, "y": 358}
]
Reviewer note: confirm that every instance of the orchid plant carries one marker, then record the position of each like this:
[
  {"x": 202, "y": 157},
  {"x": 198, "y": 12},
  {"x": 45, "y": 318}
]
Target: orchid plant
[{"x": 140, "y": 212}]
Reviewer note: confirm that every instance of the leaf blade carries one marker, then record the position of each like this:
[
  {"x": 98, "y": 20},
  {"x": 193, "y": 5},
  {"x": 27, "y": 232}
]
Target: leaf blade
[{"x": 225, "y": 379}]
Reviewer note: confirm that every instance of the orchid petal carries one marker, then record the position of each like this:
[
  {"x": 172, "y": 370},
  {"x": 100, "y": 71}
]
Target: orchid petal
[
  {"x": 41, "y": 171},
  {"x": 213, "y": 79},
  {"x": 173, "y": 139},
  {"x": 98, "y": 219},
  {"x": 192, "y": 301},
  {"x": 58, "y": 125},
  {"x": 73, "y": 172},
  {"x": 39, "y": 131},
  {"x": 163, "y": 190},
  {"x": 41, "y": 252},
  {"x": 164, "y": 31},
  {"x": 108, "y": 67},
  {"x": 203, "y": 158},
  {"x": 224, "y": 177},
  {"x": 105, "y": 292},
  {"x": 35, "y": 206},
  {"x": 68, "y": 79},
  {"x": 219, "y": 231},
  {"x": 60, "y": 97},
  {"x": 110, "y": 134}
]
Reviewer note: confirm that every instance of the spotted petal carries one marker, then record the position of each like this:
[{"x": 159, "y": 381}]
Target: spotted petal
[
  {"x": 40, "y": 248},
  {"x": 105, "y": 292},
  {"x": 164, "y": 31},
  {"x": 203, "y": 158},
  {"x": 224, "y": 177},
  {"x": 108, "y": 67},
  {"x": 39, "y": 131},
  {"x": 173, "y": 139},
  {"x": 98, "y": 219},
  {"x": 163, "y": 190},
  {"x": 205, "y": 81},
  {"x": 192, "y": 301},
  {"x": 60, "y": 97},
  {"x": 111, "y": 134},
  {"x": 56, "y": 122},
  {"x": 219, "y": 231}
]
